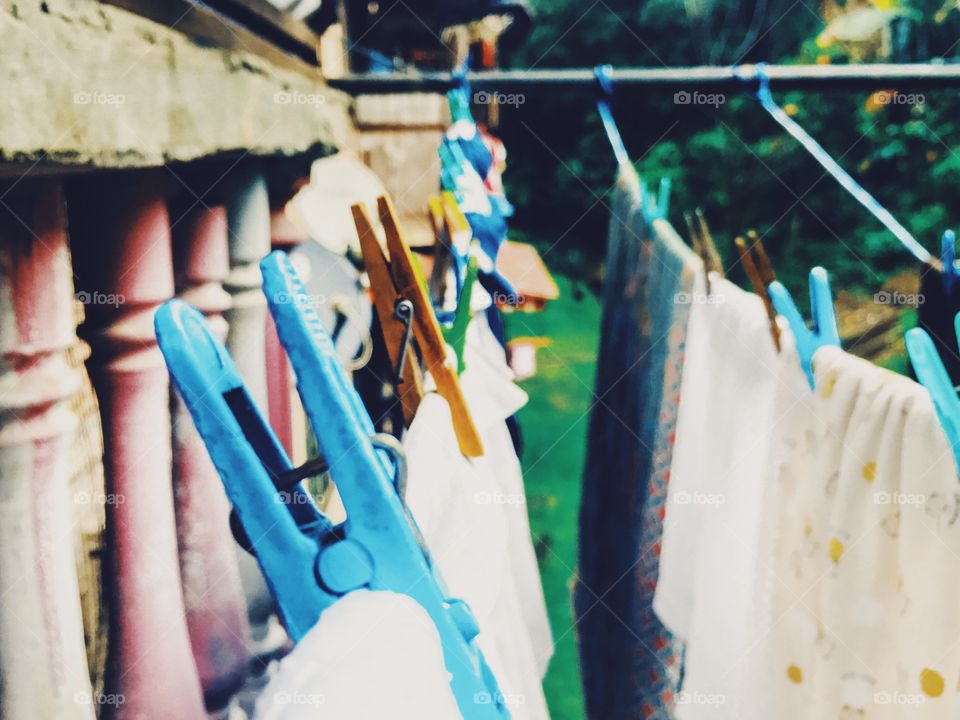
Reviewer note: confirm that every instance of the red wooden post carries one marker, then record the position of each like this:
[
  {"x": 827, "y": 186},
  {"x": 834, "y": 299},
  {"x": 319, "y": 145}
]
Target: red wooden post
[
  {"x": 120, "y": 231},
  {"x": 248, "y": 223},
  {"x": 43, "y": 662},
  {"x": 216, "y": 607}
]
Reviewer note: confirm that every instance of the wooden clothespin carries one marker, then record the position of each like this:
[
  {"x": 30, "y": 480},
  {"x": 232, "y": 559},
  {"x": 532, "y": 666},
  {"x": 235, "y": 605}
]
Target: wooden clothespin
[
  {"x": 702, "y": 241},
  {"x": 760, "y": 271},
  {"x": 386, "y": 301},
  {"x": 409, "y": 284}
]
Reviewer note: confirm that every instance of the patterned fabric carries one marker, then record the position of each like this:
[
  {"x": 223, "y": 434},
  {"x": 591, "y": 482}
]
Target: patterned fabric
[
  {"x": 864, "y": 620},
  {"x": 630, "y": 664}
]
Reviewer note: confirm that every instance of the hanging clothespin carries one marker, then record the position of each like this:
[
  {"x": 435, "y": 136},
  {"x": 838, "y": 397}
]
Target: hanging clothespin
[
  {"x": 701, "y": 240},
  {"x": 310, "y": 564},
  {"x": 407, "y": 283},
  {"x": 395, "y": 314},
  {"x": 760, "y": 272},
  {"x": 604, "y": 76},
  {"x": 948, "y": 261},
  {"x": 931, "y": 373},
  {"x": 824, "y": 330},
  {"x": 655, "y": 207}
]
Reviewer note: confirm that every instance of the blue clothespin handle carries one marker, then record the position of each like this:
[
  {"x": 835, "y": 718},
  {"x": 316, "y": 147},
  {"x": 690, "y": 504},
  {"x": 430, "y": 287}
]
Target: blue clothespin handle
[
  {"x": 604, "y": 76},
  {"x": 655, "y": 208},
  {"x": 824, "y": 330},
  {"x": 381, "y": 549},
  {"x": 934, "y": 377},
  {"x": 948, "y": 258},
  {"x": 283, "y": 528}
]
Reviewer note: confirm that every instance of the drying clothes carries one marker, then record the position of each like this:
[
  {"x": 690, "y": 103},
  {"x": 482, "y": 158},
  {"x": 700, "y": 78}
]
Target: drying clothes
[
  {"x": 735, "y": 399},
  {"x": 865, "y": 572},
  {"x": 493, "y": 398},
  {"x": 460, "y": 509},
  {"x": 630, "y": 663},
  {"x": 372, "y": 655},
  {"x": 935, "y": 315}
]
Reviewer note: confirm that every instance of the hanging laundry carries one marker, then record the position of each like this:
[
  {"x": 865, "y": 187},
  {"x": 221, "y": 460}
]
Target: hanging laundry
[
  {"x": 862, "y": 618},
  {"x": 630, "y": 663},
  {"x": 372, "y": 655},
  {"x": 494, "y": 178},
  {"x": 737, "y": 393}
]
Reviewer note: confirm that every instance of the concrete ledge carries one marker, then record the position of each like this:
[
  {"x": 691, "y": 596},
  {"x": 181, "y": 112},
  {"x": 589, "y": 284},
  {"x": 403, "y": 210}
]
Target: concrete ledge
[{"x": 92, "y": 85}]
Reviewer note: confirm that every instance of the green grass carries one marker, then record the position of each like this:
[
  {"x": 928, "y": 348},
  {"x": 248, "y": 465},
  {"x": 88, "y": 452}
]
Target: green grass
[{"x": 554, "y": 425}]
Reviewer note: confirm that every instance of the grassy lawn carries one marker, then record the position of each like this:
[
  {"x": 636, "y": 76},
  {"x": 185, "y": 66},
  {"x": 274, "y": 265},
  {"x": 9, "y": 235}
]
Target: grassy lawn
[{"x": 554, "y": 425}]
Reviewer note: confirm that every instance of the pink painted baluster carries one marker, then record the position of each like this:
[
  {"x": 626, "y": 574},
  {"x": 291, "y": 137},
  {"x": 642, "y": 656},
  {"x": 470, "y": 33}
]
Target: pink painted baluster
[
  {"x": 248, "y": 222},
  {"x": 212, "y": 591},
  {"x": 120, "y": 231},
  {"x": 43, "y": 663}
]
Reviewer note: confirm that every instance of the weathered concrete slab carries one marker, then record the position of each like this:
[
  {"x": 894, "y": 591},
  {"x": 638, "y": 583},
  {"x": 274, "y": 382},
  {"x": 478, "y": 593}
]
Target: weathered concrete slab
[{"x": 92, "y": 85}]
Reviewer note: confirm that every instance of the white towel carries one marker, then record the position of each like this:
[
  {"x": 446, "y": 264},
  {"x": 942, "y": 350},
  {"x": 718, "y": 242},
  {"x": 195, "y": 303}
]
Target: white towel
[
  {"x": 735, "y": 397},
  {"x": 372, "y": 655}
]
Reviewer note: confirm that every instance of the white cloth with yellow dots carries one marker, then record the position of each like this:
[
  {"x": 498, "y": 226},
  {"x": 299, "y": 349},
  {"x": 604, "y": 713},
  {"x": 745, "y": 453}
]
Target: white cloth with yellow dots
[{"x": 865, "y": 561}]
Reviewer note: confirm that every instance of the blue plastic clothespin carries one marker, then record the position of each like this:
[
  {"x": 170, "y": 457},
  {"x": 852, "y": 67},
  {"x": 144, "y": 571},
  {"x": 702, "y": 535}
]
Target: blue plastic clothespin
[
  {"x": 824, "y": 330},
  {"x": 948, "y": 258},
  {"x": 308, "y": 563},
  {"x": 934, "y": 377},
  {"x": 655, "y": 207},
  {"x": 604, "y": 76}
]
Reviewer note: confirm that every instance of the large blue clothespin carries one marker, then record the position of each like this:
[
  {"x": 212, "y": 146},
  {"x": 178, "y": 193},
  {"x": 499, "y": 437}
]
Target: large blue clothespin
[
  {"x": 308, "y": 563},
  {"x": 934, "y": 377},
  {"x": 824, "y": 330}
]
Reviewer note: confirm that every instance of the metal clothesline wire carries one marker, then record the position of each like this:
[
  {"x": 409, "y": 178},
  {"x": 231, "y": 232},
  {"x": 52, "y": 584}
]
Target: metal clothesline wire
[{"x": 707, "y": 78}]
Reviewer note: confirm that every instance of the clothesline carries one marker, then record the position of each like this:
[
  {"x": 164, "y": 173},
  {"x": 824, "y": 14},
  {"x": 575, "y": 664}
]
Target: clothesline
[{"x": 926, "y": 76}]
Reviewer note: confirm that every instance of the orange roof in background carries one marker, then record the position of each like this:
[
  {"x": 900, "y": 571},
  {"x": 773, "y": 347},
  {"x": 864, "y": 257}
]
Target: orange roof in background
[{"x": 523, "y": 267}]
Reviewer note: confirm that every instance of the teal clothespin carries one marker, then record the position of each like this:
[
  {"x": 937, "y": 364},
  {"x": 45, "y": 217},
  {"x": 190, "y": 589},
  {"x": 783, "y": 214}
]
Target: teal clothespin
[
  {"x": 655, "y": 207},
  {"x": 824, "y": 330},
  {"x": 948, "y": 258},
  {"x": 933, "y": 376}
]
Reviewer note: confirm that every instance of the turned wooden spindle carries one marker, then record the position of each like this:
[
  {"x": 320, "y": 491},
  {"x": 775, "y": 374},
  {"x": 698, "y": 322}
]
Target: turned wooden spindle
[
  {"x": 212, "y": 590},
  {"x": 120, "y": 230},
  {"x": 248, "y": 224},
  {"x": 43, "y": 663}
]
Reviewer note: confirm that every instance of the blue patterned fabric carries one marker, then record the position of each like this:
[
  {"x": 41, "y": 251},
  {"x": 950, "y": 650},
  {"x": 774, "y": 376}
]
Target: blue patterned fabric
[{"x": 630, "y": 664}]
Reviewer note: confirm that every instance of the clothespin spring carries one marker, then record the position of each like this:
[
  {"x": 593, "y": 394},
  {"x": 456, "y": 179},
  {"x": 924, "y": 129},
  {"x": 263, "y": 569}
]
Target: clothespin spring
[{"x": 403, "y": 311}]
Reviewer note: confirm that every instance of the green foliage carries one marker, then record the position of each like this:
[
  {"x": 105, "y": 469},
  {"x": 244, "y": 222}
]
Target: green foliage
[{"x": 732, "y": 160}]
